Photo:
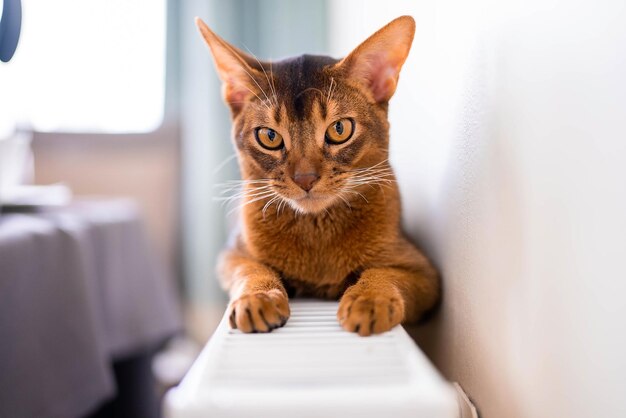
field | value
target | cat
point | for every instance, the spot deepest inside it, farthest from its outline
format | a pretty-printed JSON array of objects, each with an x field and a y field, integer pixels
[{"x": 321, "y": 208}]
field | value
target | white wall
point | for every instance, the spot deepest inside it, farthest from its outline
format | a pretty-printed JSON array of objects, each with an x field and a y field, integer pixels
[{"x": 508, "y": 136}]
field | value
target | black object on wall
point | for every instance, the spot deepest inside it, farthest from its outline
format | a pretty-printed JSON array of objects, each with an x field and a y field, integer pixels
[{"x": 10, "y": 25}]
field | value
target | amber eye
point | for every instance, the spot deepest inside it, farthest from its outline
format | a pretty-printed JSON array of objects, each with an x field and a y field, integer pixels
[
  {"x": 339, "y": 131},
  {"x": 269, "y": 138}
]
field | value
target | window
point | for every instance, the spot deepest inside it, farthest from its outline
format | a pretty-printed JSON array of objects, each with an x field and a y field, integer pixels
[{"x": 87, "y": 65}]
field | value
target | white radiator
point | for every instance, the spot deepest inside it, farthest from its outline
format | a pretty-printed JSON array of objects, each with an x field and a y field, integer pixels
[{"x": 311, "y": 368}]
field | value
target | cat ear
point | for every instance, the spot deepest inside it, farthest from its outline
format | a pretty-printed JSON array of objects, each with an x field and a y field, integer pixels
[
  {"x": 376, "y": 63},
  {"x": 233, "y": 66}
]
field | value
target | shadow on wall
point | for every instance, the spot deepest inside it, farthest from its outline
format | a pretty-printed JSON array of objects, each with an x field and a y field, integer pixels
[
  {"x": 526, "y": 218},
  {"x": 475, "y": 236}
]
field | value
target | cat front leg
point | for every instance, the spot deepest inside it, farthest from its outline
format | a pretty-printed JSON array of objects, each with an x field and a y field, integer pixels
[
  {"x": 259, "y": 301},
  {"x": 384, "y": 297}
]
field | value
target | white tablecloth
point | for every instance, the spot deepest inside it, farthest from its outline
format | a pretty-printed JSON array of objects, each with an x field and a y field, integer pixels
[{"x": 79, "y": 287}]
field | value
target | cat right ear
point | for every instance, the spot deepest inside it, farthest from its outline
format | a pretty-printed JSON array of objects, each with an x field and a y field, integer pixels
[
  {"x": 232, "y": 66},
  {"x": 376, "y": 63}
]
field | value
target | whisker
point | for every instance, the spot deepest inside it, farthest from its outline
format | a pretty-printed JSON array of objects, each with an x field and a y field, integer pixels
[
  {"x": 310, "y": 88},
  {"x": 376, "y": 173},
  {"x": 256, "y": 95},
  {"x": 259, "y": 86},
  {"x": 248, "y": 102},
  {"x": 330, "y": 89},
  {"x": 283, "y": 203},
  {"x": 374, "y": 166},
  {"x": 269, "y": 203},
  {"x": 243, "y": 182},
  {"x": 252, "y": 197},
  {"x": 371, "y": 170},
  {"x": 241, "y": 187},
  {"x": 238, "y": 190},
  {"x": 369, "y": 183},
  {"x": 253, "y": 79},
  {"x": 224, "y": 162},
  {"x": 370, "y": 180},
  {"x": 235, "y": 190},
  {"x": 247, "y": 194},
  {"x": 240, "y": 193},
  {"x": 381, "y": 174},
  {"x": 266, "y": 76},
  {"x": 248, "y": 202},
  {"x": 359, "y": 194},
  {"x": 344, "y": 201},
  {"x": 273, "y": 84}
]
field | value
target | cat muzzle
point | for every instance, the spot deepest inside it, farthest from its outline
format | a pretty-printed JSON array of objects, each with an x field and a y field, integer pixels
[{"x": 305, "y": 181}]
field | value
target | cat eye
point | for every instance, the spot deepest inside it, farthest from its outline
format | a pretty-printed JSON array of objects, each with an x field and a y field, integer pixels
[
  {"x": 339, "y": 131},
  {"x": 268, "y": 138}
]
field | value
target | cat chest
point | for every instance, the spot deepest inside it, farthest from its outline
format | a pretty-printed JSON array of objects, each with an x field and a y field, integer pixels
[{"x": 310, "y": 258}]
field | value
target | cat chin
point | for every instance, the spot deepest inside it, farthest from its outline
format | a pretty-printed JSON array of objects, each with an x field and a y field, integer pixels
[{"x": 311, "y": 204}]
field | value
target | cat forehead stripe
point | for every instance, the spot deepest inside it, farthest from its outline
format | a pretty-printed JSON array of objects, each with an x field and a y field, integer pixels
[{"x": 302, "y": 82}]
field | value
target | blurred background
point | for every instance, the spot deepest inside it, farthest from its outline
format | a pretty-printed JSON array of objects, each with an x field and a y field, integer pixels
[{"x": 508, "y": 138}]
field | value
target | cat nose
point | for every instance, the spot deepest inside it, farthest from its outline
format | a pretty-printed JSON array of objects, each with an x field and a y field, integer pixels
[{"x": 305, "y": 180}]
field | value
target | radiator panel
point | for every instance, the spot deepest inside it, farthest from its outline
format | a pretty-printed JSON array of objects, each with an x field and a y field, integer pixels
[{"x": 311, "y": 368}]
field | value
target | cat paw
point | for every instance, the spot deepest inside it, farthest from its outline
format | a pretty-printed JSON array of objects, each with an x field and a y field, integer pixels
[
  {"x": 260, "y": 311},
  {"x": 367, "y": 312}
]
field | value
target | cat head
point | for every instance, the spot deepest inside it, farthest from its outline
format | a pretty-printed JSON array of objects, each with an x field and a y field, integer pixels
[{"x": 312, "y": 130}]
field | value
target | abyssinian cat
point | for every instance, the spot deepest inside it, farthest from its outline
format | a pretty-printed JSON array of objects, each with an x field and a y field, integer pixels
[{"x": 321, "y": 208}]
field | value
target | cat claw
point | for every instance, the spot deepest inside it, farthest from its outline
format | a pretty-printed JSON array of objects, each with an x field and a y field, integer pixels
[{"x": 259, "y": 312}]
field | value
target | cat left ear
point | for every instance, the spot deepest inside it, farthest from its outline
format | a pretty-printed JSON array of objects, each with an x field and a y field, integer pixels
[
  {"x": 376, "y": 63},
  {"x": 233, "y": 66}
]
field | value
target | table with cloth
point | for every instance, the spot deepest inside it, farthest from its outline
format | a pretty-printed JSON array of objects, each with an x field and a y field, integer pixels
[{"x": 79, "y": 288}]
